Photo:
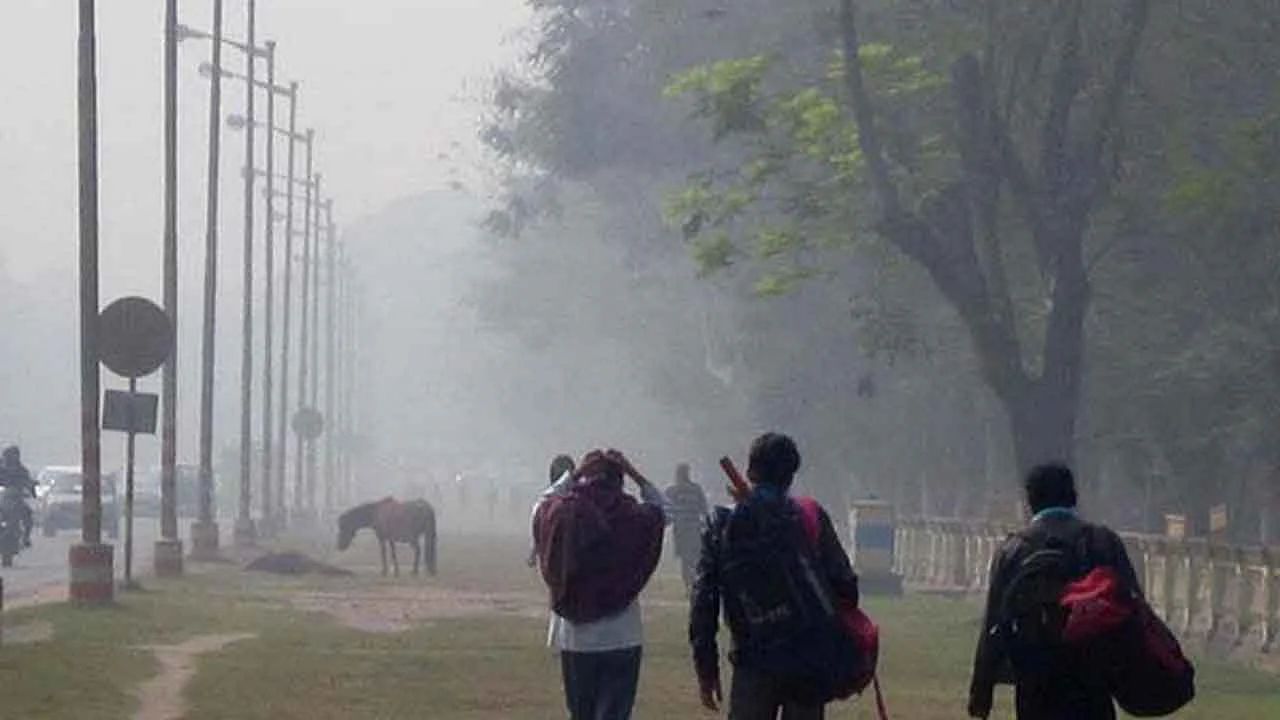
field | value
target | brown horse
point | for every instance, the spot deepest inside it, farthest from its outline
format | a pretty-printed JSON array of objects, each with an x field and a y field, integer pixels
[{"x": 393, "y": 521}]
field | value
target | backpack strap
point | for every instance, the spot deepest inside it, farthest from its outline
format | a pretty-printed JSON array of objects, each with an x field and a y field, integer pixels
[{"x": 810, "y": 518}]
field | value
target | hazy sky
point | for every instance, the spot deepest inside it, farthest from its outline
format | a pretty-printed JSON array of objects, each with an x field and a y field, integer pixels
[{"x": 388, "y": 84}]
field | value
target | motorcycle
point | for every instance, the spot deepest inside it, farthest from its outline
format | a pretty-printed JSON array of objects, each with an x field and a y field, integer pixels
[{"x": 10, "y": 532}]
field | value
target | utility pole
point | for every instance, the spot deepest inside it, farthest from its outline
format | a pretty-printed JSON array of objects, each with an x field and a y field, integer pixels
[
  {"x": 303, "y": 347},
  {"x": 245, "y": 534},
  {"x": 287, "y": 300},
  {"x": 339, "y": 438},
  {"x": 168, "y": 550},
  {"x": 92, "y": 576},
  {"x": 331, "y": 296},
  {"x": 268, "y": 300},
  {"x": 204, "y": 533},
  {"x": 313, "y": 400}
]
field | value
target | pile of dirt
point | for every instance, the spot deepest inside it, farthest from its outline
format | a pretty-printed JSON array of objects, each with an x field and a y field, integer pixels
[{"x": 294, "y": 563}]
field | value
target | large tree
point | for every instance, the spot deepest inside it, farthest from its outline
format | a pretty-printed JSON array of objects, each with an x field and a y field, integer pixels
[{"x": 1001, "y": 160}]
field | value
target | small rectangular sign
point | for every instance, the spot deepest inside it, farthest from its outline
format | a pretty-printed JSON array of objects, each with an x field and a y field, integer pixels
[
  {"x": 1218, "y": 518},
  {"x": 125, "y": 412}
]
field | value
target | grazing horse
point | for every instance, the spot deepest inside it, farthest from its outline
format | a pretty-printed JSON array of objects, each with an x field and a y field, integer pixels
[{"x": 393, "y": 521}]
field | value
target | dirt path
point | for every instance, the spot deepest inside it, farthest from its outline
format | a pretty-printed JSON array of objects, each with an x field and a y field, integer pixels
[
  {"x": 396, "y": 609},
  {"x": 160, "y": 698}
]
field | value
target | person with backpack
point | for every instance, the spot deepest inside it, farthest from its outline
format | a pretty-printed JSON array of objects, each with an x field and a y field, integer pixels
[
  {"x": 597, "y": 547},
  {"x": 688, "y": 505},
  {"x": 1021, "y": 639},
  {"x": 777, "y": 568}
]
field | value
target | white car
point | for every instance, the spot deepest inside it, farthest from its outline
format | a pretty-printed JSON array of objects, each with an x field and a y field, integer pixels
[{"x": 59, "y": 505}]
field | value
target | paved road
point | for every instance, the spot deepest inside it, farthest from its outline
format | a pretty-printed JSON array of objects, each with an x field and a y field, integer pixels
[{"x": 40, "y": 572}]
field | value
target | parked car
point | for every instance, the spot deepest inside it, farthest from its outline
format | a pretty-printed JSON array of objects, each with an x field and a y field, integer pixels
[{"x": 59, "y": 504}]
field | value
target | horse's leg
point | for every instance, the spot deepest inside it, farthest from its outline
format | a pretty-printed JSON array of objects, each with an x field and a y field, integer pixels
[
  {"x": 417, "y": 554},
  {"x": 431, "y": 546},
  {"x": 394, "y": 562},
  {"x": 382, "y": 548}
]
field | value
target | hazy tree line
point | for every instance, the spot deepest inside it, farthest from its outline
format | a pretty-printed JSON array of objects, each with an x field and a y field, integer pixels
[{"x": 940, "y": 240}]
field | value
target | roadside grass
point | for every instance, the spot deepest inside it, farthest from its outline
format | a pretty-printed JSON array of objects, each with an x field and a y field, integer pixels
[{"x": 305, "y": 665}]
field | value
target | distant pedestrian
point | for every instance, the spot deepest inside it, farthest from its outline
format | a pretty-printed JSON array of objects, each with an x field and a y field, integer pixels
[
  {"x": 777, "y": 590},
  {"x": 597, "y": 548},
  {"x": 688, "y": 504},
  {"x": 1061, "y": 684}
]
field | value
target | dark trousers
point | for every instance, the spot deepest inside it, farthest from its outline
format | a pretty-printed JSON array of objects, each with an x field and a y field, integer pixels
[
  {"x": 759, "y": 696},
  {"x": 600, "y": 685},
  {"x": 1051, "y": 701}
]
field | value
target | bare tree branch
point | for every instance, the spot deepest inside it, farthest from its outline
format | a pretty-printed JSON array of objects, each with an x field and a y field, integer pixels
[
  {"x": 1137, "y": 15},
  {"x": 868, "y": 137},
  {"x": 1055, "y": 157}
]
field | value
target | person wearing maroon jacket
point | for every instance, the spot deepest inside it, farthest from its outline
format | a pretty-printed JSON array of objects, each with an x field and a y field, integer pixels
[{"x": 597, "y": 547}]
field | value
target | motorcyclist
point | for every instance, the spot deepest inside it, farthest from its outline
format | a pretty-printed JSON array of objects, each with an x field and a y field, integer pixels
[{"x": 18, "y": 486}]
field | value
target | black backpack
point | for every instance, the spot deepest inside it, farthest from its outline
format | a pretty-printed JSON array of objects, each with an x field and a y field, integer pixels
[
  {"x": 1031, "y": 612},
  {"x": 792, "y": 629}
]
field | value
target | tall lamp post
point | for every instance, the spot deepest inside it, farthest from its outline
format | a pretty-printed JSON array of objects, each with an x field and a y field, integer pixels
[
  {"x": 168, "y": 549},
  {"x": 303, "y": 347},
  {"x": 331, "y": 256},
  {"x": 92, "y": 576},
  {"x": 204, "y": 533},
  {"x": 245, "y": 532}
]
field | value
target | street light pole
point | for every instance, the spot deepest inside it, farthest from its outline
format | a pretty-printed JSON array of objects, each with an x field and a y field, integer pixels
[
  {"x": 313, "y": 393},
  {"x": 204, "y": 533},
  {"x": 287, "y": 300},
  {"x": 340, "y": 372},
  {"x": 168, "y": 551},
  {"x": 92, "y": 577},
  {"x": 330, "y": 305},
  {"x": 299, "y": 469},
  {"x": 268, "y": 300},
  {"x": 245, "y": 534}
]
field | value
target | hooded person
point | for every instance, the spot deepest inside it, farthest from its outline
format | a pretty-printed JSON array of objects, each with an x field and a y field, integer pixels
[
  {"x": 17, "y": 486},
  {"x": 597, "y": 547}
]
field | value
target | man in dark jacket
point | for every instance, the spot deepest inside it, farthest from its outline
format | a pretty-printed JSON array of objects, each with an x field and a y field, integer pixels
[
  {"x": 688, "y": 506},
  {"x": 757, "y": 693},
  {"x": 1075, "y": 691},
  {"x": 17, "y": 486}
]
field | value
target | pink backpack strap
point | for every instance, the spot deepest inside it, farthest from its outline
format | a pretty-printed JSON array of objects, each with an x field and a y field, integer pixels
[{"x": 810, "y": 517}]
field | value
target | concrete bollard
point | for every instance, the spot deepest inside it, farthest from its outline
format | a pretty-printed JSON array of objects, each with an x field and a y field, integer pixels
[
  {"x": 168, "y": 558},
  {"x": 874, "y": 531},
  {"x": 204, "y": 541},
  {"x": 92, "y": 574}
]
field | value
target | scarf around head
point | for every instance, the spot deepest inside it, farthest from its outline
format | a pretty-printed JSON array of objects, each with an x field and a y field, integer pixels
[{"x": 597, "y": 548}]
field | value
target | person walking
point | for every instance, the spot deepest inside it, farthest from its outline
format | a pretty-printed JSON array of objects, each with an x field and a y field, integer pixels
[
  {"x": 775, "y": 630},
  {"x": 561, "y": 465},
  {"x": 597, "y": 547},
  {"x": 1062, "y": 684},
  {"x": 688, "y": 504}
]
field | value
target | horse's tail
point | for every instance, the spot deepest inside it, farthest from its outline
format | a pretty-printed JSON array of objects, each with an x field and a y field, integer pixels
[{"x": 430, "y": 534}]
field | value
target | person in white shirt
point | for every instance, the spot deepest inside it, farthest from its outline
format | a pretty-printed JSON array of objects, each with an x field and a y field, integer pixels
[{"x": 595, "y": 621}]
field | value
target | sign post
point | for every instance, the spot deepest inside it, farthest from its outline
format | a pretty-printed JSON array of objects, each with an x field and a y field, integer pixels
[{"x": 136, "y": 339}]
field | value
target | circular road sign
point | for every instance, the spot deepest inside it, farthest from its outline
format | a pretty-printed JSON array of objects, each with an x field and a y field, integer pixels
[
  {"x": 135, "y": 337},
  {"x": 308, "y": 423}
]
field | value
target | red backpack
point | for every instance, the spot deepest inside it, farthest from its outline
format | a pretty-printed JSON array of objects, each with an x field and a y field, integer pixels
[
  {"x": 1147, "y": 673},
  {"x": 865, "y": 633}
]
